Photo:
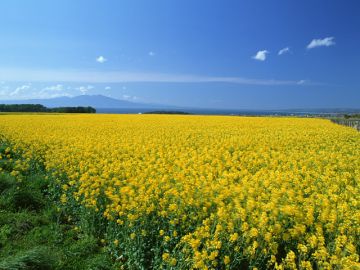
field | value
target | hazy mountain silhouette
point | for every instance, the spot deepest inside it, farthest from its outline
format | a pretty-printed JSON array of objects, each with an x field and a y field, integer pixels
[
  {"x": 96, "y": 101},
  {"x": 106, "y": 104}
]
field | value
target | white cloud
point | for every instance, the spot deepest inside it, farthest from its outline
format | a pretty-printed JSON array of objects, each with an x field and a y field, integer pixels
[
  {"x": 301, "y": 82},
  {"x": 51, "y": 92},
  {"x": 129, "y": 97},
  {"x": 19, "y": 90},
  {"x": 27, "y": 91},
  {"x": 260, "y": 55},
  {"x": 284, "y": 50},
  {"x": 101, "y": 59},
  {"x": 78, "y": 76},
  {"x": 51, "y": 95},
  {"x": 55, "y": 88},
  {"x": 151, "y": 53},
  {"x": 328, "y": 41},
  {"x": 84, "y": 89},
  {"x": 107, "y": 88}
]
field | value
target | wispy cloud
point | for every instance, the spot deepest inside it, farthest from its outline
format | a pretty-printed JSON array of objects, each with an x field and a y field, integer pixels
[
  {"x": 129, "y": 97},
  {"x": 284, "y": 50},
  {"x": 261, "y": 55},
  {"x": 52, "y": 91},
  {"x": 56, "y": 88},
  {"x": 84, "y": 89},
  {"x": 19, "y": 90},
  {"x": 76, "y": 76},
  {"x": 28, "y": 91},
  {"x": 302, "y": 82},
  {"x": 101, "y": 59},
  {"x": 107, "y": 88},
  {"x": 325, "y": 42},
  {"x": 151, "y": 53}
]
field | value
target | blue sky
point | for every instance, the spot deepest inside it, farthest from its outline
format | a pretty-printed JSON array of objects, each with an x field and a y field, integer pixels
[{"x": 222, "y": 54}]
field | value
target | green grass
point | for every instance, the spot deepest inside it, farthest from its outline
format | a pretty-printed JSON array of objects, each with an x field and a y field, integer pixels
[{"x": 34, "y": 234}]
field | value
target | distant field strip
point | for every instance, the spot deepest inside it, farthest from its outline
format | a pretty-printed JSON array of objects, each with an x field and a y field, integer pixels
[
  {"x": 354, "y": 123},
  {"x": 204, "y": 192}
]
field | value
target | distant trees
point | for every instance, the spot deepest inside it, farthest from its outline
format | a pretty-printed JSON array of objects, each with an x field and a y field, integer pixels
[
  {"x": 22, "y": 108},
  {"x": 349, "y": 116},
  {"x": 166, "y": 112},
  {"x": 74, "y": 110},
  {"x": 42, "y": 108}
]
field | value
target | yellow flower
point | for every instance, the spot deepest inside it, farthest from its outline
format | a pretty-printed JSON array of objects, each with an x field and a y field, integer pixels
[
  {"x": 302, "y": 248},
  {"x": 254, "y": 232},
  {"x": 213, "y": 255},
  {"x": 173, "y": 261},
  {"x": 234, "y": 237},
  {"x": 226, "y": 260},
  {"x": 167, "y": 238},
  {"x": 165, "y": 256}
]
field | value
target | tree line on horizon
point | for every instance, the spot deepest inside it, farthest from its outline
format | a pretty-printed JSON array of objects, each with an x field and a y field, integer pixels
[{"x": 42, "y": 108}]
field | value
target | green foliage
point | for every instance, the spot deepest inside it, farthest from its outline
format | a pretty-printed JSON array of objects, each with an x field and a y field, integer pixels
[
  {"x": 35, "y": 233},
  {"x": 38, "y": 258},
  {"x": 99, "y": 262},
  {"x": 352, "y": 116},
  {"x": 166, "y": 112},
  {"x": 41, "y": 108},
  {"x": 22, "y": 108},
  {"x": 73, "y": 110},
  {"x": 5, "y": 232},
  {"x": 26, "y": 199},
  {"x": 38, "y": 182},
  {"x": 6, "y": 182}
]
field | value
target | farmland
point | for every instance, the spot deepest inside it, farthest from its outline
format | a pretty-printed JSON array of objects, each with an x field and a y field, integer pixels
[{"x": 203, "y": 192}]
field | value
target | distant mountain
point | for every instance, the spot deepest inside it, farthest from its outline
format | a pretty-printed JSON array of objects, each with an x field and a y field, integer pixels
[
  {"x": 105, "y": 104},
  {"x": 96, "y": 101}
]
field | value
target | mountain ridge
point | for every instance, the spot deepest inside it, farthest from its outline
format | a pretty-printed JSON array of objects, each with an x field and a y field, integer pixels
[
  {"x": 107, "y": 104},
  {"x": 96, "y": 101}
]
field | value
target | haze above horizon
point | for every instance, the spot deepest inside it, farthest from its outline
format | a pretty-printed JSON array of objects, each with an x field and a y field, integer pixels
[{"x": 233, "y": 54}]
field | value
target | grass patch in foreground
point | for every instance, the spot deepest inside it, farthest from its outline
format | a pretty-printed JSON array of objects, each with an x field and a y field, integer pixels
[{"x": 34, "y": 234}]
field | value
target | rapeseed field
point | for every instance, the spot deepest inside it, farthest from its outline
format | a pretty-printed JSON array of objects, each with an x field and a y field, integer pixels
[{"x": 202, "y": 192}]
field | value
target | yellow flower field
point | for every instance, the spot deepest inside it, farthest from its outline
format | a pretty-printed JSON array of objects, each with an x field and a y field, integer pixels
[{"x": 204, "y": 192}]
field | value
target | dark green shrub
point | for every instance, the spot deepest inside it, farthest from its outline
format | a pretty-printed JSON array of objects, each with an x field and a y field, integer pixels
[
  {"x": 37, "y": 182},
  {"x": 27, "y": 199},
  {"x": 38, "y": 258},
  {"x": 6, "y": 181},
  {"x": 99, "y": 262}
]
